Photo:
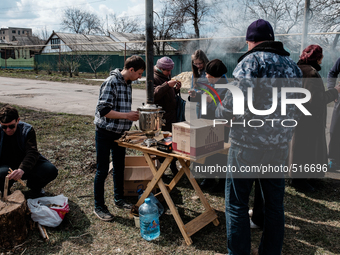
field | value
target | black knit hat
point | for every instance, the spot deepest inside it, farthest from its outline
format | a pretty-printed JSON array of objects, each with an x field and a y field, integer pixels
[
  {"x": 260, "y": 30},
  {"x": 216, "y": 68}
]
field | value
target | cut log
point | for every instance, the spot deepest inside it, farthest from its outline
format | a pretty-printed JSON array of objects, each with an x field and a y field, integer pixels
[{"x": 13, "y": 220}]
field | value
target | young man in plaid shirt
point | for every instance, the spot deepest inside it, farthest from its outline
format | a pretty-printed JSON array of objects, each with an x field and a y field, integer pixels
[{"x": 114, "y": 116}]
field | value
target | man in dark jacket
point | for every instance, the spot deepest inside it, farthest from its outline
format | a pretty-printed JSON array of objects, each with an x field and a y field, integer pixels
[
  {"x": 18, "y": 151},
  {"x": 264, "y": 67}
]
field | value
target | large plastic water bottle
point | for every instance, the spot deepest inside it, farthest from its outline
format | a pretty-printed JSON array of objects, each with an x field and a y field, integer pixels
[
  {"x": 149, "y": 220},
  {"x": 153, "y": 200}
]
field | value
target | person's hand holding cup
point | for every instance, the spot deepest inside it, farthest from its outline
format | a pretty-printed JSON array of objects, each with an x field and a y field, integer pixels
[{"x": 192, "y": 93}]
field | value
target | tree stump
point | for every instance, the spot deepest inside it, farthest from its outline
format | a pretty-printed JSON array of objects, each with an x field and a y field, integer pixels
[{"x": 13, "y": 220}]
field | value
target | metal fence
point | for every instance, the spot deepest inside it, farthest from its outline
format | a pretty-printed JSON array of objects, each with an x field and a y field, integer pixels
[{"x": 182, "y": 62}]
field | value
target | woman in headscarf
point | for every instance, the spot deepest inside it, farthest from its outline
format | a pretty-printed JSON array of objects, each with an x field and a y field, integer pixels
[
  {"x": 308, "y": 147},
  {"x": 164, "y": 95}
]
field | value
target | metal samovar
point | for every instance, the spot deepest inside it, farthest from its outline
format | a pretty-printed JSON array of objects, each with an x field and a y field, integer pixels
[{"x": 150, "y": 121}]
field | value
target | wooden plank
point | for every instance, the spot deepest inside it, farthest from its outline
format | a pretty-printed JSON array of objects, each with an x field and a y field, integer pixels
[
  {"x": 152, "y": 150},
  {"x": 176, "y": 179},
  {"x": 6, "y": 189},
  {"x": 199, "y": 222},
  {"x": 20, "y": 181}
]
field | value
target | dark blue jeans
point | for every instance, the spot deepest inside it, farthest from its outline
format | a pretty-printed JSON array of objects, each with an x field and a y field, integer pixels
[
  {"x": 105, "y": 143},
  {"x": 43, "y": 173},
  {"x": 237, "y": 193}
]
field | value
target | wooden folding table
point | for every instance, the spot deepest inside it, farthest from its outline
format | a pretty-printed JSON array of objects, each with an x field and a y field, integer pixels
[{"x": 200, "y": 221}]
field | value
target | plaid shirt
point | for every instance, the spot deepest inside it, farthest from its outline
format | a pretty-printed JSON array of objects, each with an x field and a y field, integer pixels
[{"x": 116, "y": 95}]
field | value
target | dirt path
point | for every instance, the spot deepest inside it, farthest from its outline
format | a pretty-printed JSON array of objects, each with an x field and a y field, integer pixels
[{"x": 57, "y": 96}]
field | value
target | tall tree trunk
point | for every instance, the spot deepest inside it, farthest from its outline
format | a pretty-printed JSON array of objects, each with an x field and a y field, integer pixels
[{"x": 197, "y": 31}]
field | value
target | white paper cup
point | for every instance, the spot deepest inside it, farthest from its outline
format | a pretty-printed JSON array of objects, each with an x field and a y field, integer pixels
[{"x": 137, "y": 224}]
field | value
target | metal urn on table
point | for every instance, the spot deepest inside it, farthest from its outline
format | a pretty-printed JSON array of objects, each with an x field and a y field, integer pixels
[{"x": 150, "y": 121}]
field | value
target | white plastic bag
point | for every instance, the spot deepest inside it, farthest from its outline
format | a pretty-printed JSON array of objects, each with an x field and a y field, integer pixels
[{"x": 48, "y": 211}]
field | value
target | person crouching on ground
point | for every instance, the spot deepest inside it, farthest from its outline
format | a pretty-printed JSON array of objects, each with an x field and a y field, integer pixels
[{"x": 18, "y": 151}]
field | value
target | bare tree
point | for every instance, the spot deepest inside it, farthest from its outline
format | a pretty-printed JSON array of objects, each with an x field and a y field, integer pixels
[
  {"x": 80, "y": 21},
  {"x": 326, "y": 18},
  {"x": 166, "y": 26},
  {"x": 124, "y": 24},
  {"x": 69, "y": 63},
  {"x": 43, "y": 34},
  {"x": 95, "y": 62},
  {"x": 284, "y": 15},
  {"x": 194, "y": 11}
]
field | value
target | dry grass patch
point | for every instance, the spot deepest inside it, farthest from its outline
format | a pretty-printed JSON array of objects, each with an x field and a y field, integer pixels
[{"x": 312, "y": 221}]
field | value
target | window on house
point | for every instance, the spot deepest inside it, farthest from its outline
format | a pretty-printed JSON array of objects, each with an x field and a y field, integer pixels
[
  {"x": 55, "y": 43},
  {"x": 13, "y": 31},
  {"x": 18, "y": 32}
]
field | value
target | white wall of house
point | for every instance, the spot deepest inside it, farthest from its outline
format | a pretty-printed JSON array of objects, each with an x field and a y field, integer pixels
[{"x": 49, "y": 48}]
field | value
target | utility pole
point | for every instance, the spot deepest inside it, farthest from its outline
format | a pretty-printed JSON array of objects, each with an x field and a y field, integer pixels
[{"x": 305, "y": 25}]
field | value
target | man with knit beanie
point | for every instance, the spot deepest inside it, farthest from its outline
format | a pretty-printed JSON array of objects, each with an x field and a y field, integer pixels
[
  {"x": 265, "y": 66},
  {"x": 164, "y": 95}
]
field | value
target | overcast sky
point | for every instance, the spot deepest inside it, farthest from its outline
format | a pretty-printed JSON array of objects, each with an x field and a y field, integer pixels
[{"x": 38, "y": 14}]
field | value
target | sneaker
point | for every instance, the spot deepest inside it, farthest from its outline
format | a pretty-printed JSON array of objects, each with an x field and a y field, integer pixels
[
  {"x": 33, "y": 193},
  {"x": 332, "y": 166},
  {"x": 253, "y": 225},
  {"x": 103, "y": 213},
  {"x": 124, "y": 205}
]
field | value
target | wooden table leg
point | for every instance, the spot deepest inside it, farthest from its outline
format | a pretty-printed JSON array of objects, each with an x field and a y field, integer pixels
[
  {"x": 167, "y": 197},
  {"x": 156, "y": 178},
  {"x": 185, "y": 167}
]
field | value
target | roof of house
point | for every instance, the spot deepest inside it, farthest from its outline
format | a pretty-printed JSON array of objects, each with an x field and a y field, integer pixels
[
  {"x": 80, "y": 42},
  {"x": 129, "y": 37},
  {"x": 20, "y": 40}
]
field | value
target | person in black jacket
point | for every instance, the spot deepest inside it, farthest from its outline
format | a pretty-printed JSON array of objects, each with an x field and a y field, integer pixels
[
  {"x": 215, "y": 74},
  {"x": 18, "y": 151},
  {"x": 164, "y": 94},
  {"x": 308, "y": 146}
]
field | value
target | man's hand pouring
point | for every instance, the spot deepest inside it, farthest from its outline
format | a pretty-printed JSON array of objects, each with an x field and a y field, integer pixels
[{"x": 133, "y": 115}]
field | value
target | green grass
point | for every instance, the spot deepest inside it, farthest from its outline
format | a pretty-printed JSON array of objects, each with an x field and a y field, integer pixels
[{"x": 312, "y": 221}]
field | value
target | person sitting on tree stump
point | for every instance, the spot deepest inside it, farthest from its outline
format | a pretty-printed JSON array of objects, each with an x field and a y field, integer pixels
[{"x": 18, "y": 151}]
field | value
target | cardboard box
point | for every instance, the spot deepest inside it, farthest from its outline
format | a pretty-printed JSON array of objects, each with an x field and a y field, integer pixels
[
  {"x": 197, "y": 138},
  {"x": 131, "y": 187},
  {"x": 137, "y": 174}
]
